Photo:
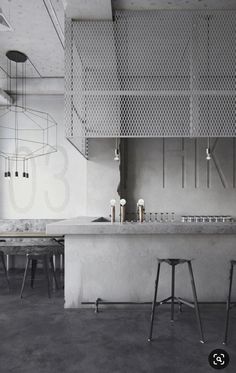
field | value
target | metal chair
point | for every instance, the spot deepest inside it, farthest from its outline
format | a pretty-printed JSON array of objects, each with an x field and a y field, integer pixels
[
  {"x": 171, "y": 299},
  {"x": 46, "y": 257},
  {"x": 229, "y": 304},
  {"x": 4, "y": 268},
  {"x": 4, "y": 265}
]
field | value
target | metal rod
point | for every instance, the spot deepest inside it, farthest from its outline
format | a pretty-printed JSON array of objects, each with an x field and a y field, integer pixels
[
  {"x": 154, "y": 302},
  {"x": 196, "y": 301},
  {"x": 172, "y": 291},
  {"x": 228, "y": 303},
  {"x": 189, "y": 304}
]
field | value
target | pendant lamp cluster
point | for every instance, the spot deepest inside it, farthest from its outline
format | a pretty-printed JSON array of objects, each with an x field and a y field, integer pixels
[{"x": 25, "y": 133}]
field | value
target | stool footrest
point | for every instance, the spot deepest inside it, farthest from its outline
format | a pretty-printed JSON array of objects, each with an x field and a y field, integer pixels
[
  {"x": 187, "y": 303},
  {"x": 165, "y": 300}
]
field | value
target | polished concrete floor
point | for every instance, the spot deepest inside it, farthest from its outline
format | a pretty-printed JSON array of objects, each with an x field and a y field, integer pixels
[{"x": 39, "y": 336}]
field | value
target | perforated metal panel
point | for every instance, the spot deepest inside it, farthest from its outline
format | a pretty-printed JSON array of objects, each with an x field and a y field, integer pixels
[{"x": 151, "y": 74}]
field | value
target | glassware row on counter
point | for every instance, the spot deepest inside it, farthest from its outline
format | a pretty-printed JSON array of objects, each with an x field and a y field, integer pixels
[
  {"x": 207, "y": 219},
  {"x": 151, "y": 217}
]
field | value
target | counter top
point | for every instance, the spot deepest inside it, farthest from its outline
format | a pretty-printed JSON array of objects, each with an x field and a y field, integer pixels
[
  {"x": 85, "y": 226},
  {"x": 43, "y": 235}
]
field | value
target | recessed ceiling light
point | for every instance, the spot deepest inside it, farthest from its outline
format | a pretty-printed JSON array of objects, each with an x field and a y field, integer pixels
[{"x": 4, "y": 24}]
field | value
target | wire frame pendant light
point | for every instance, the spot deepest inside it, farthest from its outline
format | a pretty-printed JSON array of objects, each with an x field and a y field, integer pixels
[{"x": 25, "y": 133}]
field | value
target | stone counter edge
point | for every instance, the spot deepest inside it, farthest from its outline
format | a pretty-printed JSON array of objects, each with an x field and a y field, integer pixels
[{"x": 84, "y": 226}]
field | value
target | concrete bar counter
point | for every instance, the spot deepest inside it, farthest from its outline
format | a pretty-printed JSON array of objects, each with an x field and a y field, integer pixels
[{"x": 117, "y": 262}]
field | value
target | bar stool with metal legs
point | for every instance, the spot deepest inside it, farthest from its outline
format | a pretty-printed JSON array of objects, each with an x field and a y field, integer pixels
[
  {"x": 46, "y": 259},
  {"x": 229, "y": 304},
  {"x": 172, "y": 299}
]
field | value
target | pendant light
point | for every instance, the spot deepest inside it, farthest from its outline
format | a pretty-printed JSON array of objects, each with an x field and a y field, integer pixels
[
  {"x": 25, "y": 133},
  {"x": 117, "y": 151},
  {"x": 208, "y": 150}
]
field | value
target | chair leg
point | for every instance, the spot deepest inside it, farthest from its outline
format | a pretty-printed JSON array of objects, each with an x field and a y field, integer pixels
[
  {"x": 172, "y": 292},
  {"x": 62, "y": 261},
  {"x": 24, "y": 278},
  {"x": 154, "y": 302},
  {"x": 46, "y": 270},
  {"x": 33, "y": 271},
  {"x": 196, "y": 302},
  {"x": 228, "y": 304},
  {"x": 54, "y": 272},
  {"x": 5, "y": 269}
]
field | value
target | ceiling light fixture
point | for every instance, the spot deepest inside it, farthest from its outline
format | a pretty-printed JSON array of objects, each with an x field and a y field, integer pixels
[
  {"x": 208, "y": 150},
  {"x": 117, "y": 151},
  {"x": 25, "y": 133}
]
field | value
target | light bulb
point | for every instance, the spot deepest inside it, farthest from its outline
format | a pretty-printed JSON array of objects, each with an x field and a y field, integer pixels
[
  {"x": 122, "y": 202},
  {"x": 117, "y": 155},
  {"x": 208, "y": 154},
  {"x": 140, "y": 202}
]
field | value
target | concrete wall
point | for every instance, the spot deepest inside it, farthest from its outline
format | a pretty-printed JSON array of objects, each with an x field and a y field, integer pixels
[
  {"x": 175, "y": 176},
  {"x": 57, "y": 185},
  {"x": 102, "y": 177}
]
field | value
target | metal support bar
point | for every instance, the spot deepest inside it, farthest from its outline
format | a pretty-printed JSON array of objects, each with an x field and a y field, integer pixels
[
  {"x": 172, "y": 291},
  {"x": 228, "y": 303},
  {"x": 189, "y": 304},
  {"x": 154, "y": 301},
  {"x": 196, "y": 301}
]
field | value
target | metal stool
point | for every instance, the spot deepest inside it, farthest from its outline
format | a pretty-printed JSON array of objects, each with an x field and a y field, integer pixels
[
  {"x": 173, "y": 298},
  {"x": 4, "y": 267},
  {"x": 46, "y": 258},
  {"x": 228, "y": 302}
]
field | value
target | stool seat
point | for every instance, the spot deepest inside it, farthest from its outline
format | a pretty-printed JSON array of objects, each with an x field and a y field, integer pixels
[
  {"x": 173, "y": 261},
  {"x": 172, "y": 298}
]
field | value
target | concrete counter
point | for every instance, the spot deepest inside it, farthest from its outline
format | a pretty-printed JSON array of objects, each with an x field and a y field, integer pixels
[
  {"x": 117, "y": 262},
  {"x": 84, "y": 225}
]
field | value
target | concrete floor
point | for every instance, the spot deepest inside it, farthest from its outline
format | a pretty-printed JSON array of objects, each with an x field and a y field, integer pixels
[{"x": 39, "y": 336}]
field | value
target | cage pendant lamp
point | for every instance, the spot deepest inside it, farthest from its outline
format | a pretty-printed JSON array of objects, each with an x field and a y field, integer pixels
[{"x": 25, "y": 133}]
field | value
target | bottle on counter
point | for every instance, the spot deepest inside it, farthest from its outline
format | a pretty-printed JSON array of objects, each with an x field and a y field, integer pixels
[
  {"x": 140, "y": 205},
  {"x": 113, "y": 210},
  {"x": 122, "y": 210}
]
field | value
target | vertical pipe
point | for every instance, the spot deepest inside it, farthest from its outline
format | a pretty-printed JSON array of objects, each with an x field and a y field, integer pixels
[
  {"x": 183, "y": 163},
  {"x": 195, "y": 162},
  {"x": 163, "y": 162},
  {"x": 234, "y": 171}
]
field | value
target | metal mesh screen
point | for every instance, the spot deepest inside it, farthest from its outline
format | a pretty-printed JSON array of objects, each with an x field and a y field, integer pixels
[{"x": 151, "y": 74}]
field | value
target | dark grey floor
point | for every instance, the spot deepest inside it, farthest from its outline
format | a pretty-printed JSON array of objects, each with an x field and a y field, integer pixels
[{"x": 39, "y": 336}]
